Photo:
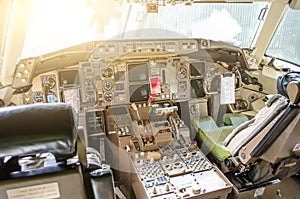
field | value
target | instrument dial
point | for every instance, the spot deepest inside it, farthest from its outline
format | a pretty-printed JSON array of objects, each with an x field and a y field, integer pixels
[
  {"x": 182, "y": 86},
  {"x": 108, "y": 85},
  {"x": 194, "y": 109},
  {"x": 107, "y": 72},
  {"x": 38, "y": 96},
  {"x": 182, "y": 73},
  {"x": 51, "y": 82},
  {"x": 48, "y": 82},
  {"x": 108, "y": 97}
]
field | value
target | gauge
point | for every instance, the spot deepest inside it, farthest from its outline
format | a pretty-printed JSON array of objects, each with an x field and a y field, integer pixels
[
  {"x": 182, "y": 72},
  {"x": 48, "y": 81},
  {"x": 107, "y": 72},
  {"x": 194, "y": 109},
  {"x": 108, "y": 85},
  {"x": 51, "y": 82},
  {"x": 182, "y": 86},
  {"x": 108, "y": 97},
  {"x": 38, "y": 96}
]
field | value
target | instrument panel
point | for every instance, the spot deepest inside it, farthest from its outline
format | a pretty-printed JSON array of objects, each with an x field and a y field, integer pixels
[
  {"x": 124, "y": 82},
  {"x": 122, "y": 72}
]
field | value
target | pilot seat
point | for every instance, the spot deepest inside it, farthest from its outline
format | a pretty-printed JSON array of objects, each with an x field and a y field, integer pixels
[
  {"x": 264, "y": 148},
  {"x": 43, "y": 156}
]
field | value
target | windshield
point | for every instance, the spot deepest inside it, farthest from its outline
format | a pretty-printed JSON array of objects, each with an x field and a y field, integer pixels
[
  {"x": 232, "y": 23},
  {"x": 57, "y": 24},
  {"x": 285, "y": 43}
]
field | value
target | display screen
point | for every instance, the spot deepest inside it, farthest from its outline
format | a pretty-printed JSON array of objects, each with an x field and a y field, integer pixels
[
  {"x": 139, "y": 92},
  {"x": 197, "y": 90},
  {"x": 120, "y": 110},
  {"x": 138, "y": 72},
  {"x": 68, "y": 77},
  {"x": 197, "y": 69}
]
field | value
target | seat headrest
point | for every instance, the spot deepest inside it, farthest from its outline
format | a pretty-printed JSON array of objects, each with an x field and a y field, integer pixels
[
  {"x": 284, "y": 80},
  {"x": 293, "y": 91},
  {"x": 38, "y": 128}
]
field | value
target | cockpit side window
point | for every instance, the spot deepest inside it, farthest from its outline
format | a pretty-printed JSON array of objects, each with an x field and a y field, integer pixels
[{"x": 285, "y": 43}]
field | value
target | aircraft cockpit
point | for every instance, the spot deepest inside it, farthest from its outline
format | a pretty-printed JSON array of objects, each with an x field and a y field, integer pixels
[{"x": 150, "y": 99}]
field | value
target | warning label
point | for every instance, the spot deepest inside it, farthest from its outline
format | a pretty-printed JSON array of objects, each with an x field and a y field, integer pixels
[
  {"x": 297, "y": 147},
  {"x": 44, "y": 191}
]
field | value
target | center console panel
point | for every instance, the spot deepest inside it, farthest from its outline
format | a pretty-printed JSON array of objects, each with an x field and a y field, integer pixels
[{"x": 177, "y": 171}]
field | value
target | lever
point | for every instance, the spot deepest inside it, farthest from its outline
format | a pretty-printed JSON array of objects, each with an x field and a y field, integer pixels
[
  {"x": 140, "y": 121},
  {"x": 247, "y": 79}
]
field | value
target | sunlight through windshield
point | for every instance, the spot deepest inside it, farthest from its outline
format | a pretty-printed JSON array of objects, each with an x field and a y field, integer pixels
[{"x": 57, "y": 24}]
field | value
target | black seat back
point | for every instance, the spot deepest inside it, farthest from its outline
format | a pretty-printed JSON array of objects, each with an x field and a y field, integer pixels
[{"x": 38, "y": 128}]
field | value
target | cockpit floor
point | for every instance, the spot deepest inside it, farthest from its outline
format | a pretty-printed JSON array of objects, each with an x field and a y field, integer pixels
[{"x": 290, "y": 188}]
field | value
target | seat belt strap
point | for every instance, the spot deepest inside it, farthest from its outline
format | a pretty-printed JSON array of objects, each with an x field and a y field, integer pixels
[{"x": 81, "y": 152}]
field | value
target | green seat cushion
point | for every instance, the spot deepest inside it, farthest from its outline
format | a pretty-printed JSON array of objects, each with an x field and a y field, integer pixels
[
  {"x": 234, "y": 119},
  {"x": 213, "y": 136}
]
